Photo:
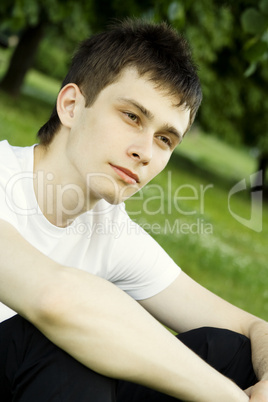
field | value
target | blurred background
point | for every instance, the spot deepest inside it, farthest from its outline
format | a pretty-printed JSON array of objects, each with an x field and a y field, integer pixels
[{"x": 218, "y": 235}]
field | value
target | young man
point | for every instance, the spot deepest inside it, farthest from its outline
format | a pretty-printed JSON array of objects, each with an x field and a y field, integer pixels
[{"x": 129, "y": 97}]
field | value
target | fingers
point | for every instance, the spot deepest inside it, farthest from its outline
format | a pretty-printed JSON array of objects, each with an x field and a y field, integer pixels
[{"x": 259, "y": 392}]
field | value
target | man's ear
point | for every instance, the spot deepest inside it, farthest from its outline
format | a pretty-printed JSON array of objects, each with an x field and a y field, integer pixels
[{"x": 69, "y": 100}]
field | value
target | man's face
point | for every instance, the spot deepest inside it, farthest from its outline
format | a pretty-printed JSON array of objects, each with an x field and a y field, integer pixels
[{"x": 125, "y": 138}]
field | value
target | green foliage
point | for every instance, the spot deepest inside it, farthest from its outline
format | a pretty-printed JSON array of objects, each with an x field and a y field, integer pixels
[
  {"x": 106, "y": 11},
  {"x": 255, "y": 22},
  {"x": 63, "y": 15},
  {"x": 56, "y": 49},
  {"x": 66, "y": 23},
  {"x": 53, "y": 57}
]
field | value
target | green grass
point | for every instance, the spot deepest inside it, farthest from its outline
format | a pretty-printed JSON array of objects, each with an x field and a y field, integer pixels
[
  {"x": 21, "y": 118},
  {"x": 212, "y": 153},
  {"x": 198, "y": 231}
]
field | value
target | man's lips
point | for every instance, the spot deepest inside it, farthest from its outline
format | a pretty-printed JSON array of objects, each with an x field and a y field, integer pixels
[{"x": 125, "y": 174}]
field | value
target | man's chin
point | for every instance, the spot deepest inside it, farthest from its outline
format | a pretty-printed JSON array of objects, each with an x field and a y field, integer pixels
[{"x": 118, "y": 200}]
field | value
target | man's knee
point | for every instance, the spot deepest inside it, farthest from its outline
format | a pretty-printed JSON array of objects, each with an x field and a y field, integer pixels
[{"x": 227, "y": 351}]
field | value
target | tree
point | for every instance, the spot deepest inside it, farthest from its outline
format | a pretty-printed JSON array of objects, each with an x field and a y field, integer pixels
[
  {"x": 31, "y": 19},
  {"x": 69, "y": 19},
  {"x": 22, "y": 58}
]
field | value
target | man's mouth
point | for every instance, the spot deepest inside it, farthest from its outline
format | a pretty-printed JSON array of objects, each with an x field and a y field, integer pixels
[{"x": 125, "y": 174}]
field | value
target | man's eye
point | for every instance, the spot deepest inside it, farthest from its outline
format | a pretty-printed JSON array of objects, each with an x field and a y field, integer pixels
[
  {"x": 132, "y": 116},
  {"x": 165, "y": 140}
]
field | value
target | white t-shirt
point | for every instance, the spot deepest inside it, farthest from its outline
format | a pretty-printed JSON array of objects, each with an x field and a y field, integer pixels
[{"x": 103, "y": 241}]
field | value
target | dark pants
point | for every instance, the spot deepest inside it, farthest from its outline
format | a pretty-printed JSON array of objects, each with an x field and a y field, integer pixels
[{"x": 32, "y": 369}]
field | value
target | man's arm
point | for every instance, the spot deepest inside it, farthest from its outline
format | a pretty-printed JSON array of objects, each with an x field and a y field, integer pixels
[
  {"x": 101, "y": 326},
  {"x": 185, "y": 305},
  {"x": 258, "y": 334}
]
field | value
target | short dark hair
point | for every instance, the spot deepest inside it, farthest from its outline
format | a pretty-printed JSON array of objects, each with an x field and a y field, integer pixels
[{"x": 155, "y": 49}]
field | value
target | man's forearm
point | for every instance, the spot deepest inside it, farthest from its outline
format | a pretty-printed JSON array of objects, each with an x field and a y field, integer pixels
[
  {"x": 109, "y": 332},
  {"x": 102, "y": 327},
  {"x": 258, "y": 334}
]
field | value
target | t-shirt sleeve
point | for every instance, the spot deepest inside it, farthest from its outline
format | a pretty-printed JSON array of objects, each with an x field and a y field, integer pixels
[{"x": 140, "y": 265}]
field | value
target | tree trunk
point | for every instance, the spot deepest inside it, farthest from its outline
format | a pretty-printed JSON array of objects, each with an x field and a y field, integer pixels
[{"x": 22, "y": 59}]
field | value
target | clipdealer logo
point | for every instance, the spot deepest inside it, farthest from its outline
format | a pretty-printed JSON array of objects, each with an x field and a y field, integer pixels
[{"x": 256, "y": 201}]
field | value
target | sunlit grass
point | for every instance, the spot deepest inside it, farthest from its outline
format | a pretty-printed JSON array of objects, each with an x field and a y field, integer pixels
[{"x": 209, "y": 151}]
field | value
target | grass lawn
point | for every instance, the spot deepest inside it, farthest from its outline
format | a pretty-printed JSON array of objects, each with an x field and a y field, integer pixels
[{"x": 186, "y": 207}]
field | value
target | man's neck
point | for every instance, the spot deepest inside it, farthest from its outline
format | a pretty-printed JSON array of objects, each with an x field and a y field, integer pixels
[{"x": 60, "y": 196}]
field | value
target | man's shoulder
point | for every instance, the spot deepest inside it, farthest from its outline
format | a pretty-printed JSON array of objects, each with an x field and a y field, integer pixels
[
  {"x": 7, "y": 158},
  {"x": 7, "y": 154},
  {"x": 4, "y": 147},
  {"x": 14, "y": 158}
]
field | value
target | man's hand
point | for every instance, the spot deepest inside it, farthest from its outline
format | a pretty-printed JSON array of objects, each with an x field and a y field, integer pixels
[{"x": 259, "y": 392}]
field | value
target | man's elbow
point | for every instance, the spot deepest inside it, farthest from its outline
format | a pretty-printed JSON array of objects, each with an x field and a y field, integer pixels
[{"x": 52, "y": 301}]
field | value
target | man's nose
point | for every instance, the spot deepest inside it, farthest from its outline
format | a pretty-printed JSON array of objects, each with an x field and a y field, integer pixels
[{"x": 142, "y": 150}]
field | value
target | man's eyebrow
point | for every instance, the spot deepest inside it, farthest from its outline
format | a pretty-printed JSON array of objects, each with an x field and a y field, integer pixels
[
  {"x": 150, "y": 116},
  {"x": 173, "y": 131},
  {"x": 136, "y": 104}
]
